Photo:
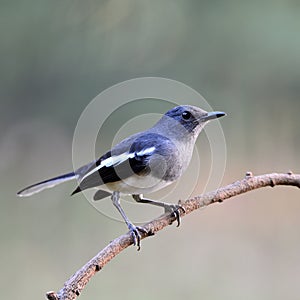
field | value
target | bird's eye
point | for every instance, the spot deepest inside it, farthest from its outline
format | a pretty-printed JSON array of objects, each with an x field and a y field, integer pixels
[{"x": 186, "y": 115}]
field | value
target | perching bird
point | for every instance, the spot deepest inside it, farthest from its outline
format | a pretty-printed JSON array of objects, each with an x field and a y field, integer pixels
[{"x": 142, "y": 163}]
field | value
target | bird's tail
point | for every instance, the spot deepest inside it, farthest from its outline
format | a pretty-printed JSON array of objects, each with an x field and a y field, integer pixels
[{"x": 46, "y": 184}]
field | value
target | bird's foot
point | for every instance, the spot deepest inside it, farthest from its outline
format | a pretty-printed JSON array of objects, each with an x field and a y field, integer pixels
[
  {"x": 175, "y": 209},
  {"x": 136, "y": 235}
]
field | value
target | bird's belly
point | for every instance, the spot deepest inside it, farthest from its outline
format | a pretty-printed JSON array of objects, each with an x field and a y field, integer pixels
[{"x": 138, "y": 185}]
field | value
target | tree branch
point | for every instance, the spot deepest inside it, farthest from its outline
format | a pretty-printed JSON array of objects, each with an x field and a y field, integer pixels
[{"x": 73, "y": 286}]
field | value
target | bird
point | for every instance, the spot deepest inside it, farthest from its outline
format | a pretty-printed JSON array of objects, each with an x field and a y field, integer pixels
[{"x": 141, "y": 164}]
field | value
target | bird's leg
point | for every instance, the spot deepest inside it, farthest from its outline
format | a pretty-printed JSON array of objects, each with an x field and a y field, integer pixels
[
  {"x": 134, "y": 230},
  {"x": 169, "y": 208}
]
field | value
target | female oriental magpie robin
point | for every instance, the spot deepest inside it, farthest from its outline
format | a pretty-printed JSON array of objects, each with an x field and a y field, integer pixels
[{"x": 142, "y": 163}]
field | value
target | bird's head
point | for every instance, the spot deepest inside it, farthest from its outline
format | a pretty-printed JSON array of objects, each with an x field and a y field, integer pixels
[{"x": 187, "y": 119}]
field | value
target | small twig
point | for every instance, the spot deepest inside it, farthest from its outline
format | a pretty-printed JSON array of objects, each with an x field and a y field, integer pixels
[{"x": 74, "y": 286}]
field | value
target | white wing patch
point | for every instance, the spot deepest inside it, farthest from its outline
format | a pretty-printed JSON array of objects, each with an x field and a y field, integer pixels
[
  {"x": 118, "y": 159},
  {"x": 115, "y": 160},
  {"x": 110, "y": 161},
  {"x": 146, "y": 151}
]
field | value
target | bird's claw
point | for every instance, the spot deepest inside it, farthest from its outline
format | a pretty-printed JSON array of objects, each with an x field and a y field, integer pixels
[
  {"x": 174, "y": 210},
  {"x": 136, "y": 236}
]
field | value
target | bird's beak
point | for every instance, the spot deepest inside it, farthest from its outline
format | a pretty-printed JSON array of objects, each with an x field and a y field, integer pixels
[{"x": 212, "y": 115}]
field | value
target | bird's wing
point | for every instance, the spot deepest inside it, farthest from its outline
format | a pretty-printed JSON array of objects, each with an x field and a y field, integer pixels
[{"x": 125, "y": 159}]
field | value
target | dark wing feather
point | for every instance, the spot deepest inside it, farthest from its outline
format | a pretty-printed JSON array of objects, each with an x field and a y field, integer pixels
[
  {"x": 113, "y": 174},
  {"x": 96, "y": 179}
]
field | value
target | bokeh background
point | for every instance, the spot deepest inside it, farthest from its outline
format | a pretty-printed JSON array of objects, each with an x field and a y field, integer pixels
[{"x": 242, "y": 56}]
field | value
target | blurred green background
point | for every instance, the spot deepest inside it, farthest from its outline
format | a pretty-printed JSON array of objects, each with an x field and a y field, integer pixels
[{"x": 242, "y": 56}]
